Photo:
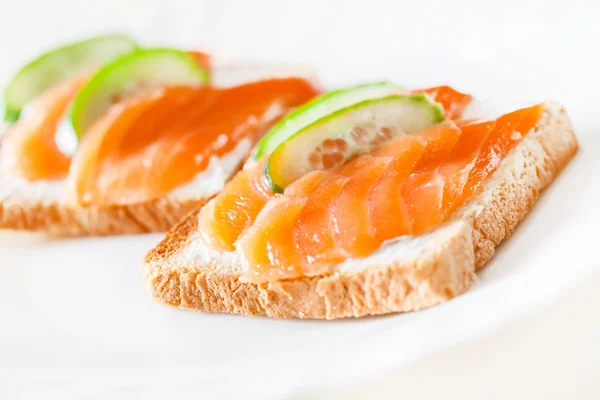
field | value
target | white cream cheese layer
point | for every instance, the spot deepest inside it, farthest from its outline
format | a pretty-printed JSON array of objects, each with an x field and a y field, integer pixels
[
  {"x": 397, "y": 250},
  {"x": 213, "y": 178}
]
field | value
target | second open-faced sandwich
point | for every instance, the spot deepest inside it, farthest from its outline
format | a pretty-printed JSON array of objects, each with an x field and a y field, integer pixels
[
  {"x": 107, "y": 137},
  {"x": 367, "y": 200}
]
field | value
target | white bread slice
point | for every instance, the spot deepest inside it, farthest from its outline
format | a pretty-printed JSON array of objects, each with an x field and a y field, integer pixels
[
  {"x": 404, "y": 275},
  {"x": 41, "y": 206}
]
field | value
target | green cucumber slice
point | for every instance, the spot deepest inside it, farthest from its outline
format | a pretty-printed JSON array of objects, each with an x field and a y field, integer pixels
[
  {"x": 129, "y": 75},
  {"x": 59, "y": 65},
  {"x": 332, "y": 140},
  {"x": 319, "y": 108}
]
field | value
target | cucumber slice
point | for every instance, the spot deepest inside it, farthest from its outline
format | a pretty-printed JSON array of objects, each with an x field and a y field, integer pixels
[
  {"x": 129, "y": 75},
  {"x": 59, "y": 65},
  {"x": 332, "y": 140},
  {"x": 319, "y": 108}
]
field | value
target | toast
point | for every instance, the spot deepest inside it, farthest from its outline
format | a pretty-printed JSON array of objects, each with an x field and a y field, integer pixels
[
  {"x": 41, "y": 205},
  {"x": 405, "y": 274}
]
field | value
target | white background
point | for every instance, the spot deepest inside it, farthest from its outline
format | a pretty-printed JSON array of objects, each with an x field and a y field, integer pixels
[{"x": 520, "y": 50}]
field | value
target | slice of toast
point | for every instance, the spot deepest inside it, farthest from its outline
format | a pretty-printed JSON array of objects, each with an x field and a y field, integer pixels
[
  {"x": 41, "y": 206},
  {"x": 406, "y": 274}
]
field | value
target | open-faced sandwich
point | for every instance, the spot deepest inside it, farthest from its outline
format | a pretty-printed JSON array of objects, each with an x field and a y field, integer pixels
[
  {"x": 368, "y": 200},
  {"x": 107, "y": 137}
]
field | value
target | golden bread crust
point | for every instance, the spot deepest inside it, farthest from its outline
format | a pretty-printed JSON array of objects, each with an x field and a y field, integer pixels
[{"x": 57, "y": 219}]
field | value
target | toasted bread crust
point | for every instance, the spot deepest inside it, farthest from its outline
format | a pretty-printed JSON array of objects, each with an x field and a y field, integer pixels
[
  {"x": 447, "y": 271},
  {"x": 57, "y": 219}
]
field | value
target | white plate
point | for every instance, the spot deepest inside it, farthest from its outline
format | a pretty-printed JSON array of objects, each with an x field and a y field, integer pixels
[{"x": 77, "y": 322}]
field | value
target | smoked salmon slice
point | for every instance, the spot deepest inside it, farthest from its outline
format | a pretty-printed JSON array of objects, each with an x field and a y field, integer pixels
[
  {"x": 201, "y": 58},
  {"x": 385, "y": 196},
  {"x": 352, "y": 229},
  {"x": 457, "y": 168},
  {"x": 453, "y": 101},
  {"x": 269, "y": 242},
  {"x": 313, "y": 227},
  {"x": 147, "y": 146},
  {"x": 507, "y": 133},
  {"x": 304, "y": 201},
  {"x": 233, "y": 210},
  {"x": 377, "y": 198},
  {"x": 423, "y": 190},
  {"x": 29, "y": 147}
]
